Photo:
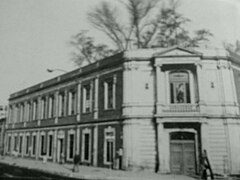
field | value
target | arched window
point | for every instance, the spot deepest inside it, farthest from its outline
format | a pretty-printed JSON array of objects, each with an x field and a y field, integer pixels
[{"x": 179, "y": 87}]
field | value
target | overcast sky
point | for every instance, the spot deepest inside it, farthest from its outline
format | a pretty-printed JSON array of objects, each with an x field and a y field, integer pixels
[{"x": 34, "y": 34}]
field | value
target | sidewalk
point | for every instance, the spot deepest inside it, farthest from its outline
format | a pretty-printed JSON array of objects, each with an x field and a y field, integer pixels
[{"x": 86, "y": 172}]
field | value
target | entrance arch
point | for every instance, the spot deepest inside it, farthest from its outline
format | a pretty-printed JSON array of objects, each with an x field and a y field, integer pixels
[{"x": 182, "y": 153}]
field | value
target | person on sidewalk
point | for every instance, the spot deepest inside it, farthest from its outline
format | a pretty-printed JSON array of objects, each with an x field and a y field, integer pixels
[
  {"x": 205, "y": 165},
  {"x": 76, "y": 161},
  {"x": 62, "y": 158}
]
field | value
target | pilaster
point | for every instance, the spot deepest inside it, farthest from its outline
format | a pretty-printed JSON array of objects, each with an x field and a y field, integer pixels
[
  {"x": 55, "y": 146},
  {"x": 56, "y": 104},
  {"x": 95, "y": 145},
  {"x": 96, "y": 82},
  {"x": 79, "y": 102}
]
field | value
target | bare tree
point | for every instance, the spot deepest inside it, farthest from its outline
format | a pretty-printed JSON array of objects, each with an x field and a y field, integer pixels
[
  {"x": 87, "y": 50},
  {"x": 235, "y": 48},
  {"x": 148, "y": 23}
]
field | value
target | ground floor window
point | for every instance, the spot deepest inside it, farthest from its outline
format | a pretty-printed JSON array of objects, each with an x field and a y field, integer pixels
[
  {"x": 109, "y": 145},
  {"x": 71, "y": 145},
  {"x": 33, "y": 144},
  {"x": 15, "y": 143},
  {"x": 9, "y": 143},
  {"x": 86, "y": 153},
  {"x": 43, "y": 145},
  {"x": 20, "y": 144},
  {"x": 27, "y": 144},
  {"x": 50, "y": 142}
]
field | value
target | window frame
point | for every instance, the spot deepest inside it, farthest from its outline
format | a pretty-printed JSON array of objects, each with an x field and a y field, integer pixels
[
  {"x": 72, "y": 102},
  {"x": 61, "y": 104},
  {"x": 87, "y": 101},
  {"x": 27, "y": 144},
  {"x": 70, "y": 132},
  {"x": 109, "y": 129},
  {"x": 183, "y": 87},
  {"x": 9, "y": 143},
  {"x": 84, "y": 132},
  {"x": 50, "y": 134},
  {"x": 33, "y": 145},
  {"x": 42, "y": 149},
  {"x": 107, "y": 82},
  {"x": 51, "y": 103}
]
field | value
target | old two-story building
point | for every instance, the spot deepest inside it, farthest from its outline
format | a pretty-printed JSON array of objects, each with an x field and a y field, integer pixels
[
  {"x": 3, "y": 112},
  {"x": 156, "y": 109}
]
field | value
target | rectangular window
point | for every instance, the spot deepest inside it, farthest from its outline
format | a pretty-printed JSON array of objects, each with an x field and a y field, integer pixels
[
  {"x": 18, "y": 113},
  {"x": 15, "y": 143},
  {"x": 179, "y": 87},
  {"x": 35, "y": 110},
  {"x": 44, "y": 112},
  {"x": 109, "y": 145},
  {"x": 29, "y": 111},
  {"x": 43, "y": 146},
  {"x": 33, "y": 145},
  {"x": 109, "y": 93},
  {"x": 22, "y": 112},
  {"x": 9, "y": 143},
  {"x": 109, "y": 151},
  {"x": 50, "y": 106},
  {"x": 86, "y": 147},
  {"x": 71, "y": 146},
  {"x": 27, "y": 144},
  {"x": 50, "y": 142},
  {"x": 72, "y": 103},
  {"x": 87, "y": 98},
  {"x": 20, "y": 144},
  {"x": 61, "y": 104}
]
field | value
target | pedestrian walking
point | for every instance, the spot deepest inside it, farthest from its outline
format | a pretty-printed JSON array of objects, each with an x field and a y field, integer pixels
[
  {"x": 76, "y": 161},
  {"x": 206, "y": 168}
]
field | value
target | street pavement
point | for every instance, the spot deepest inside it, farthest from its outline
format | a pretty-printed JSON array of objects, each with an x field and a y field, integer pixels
[{"x": 87, "y": 172}]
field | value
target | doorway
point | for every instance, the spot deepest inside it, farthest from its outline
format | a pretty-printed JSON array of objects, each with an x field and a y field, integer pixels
[{"x": 182, "y": 153}]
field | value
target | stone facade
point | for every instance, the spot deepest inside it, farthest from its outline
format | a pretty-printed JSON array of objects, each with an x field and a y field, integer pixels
[{"x": 150, "y": 109}]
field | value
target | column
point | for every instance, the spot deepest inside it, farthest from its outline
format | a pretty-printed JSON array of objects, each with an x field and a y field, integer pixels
[
  {"x": 192, "y": 90},
  {"x": 24, "y": 144},
  {"x": 65, "y": 105},
  {"x": 39, "y": 109},
  {"x": 79, "y": 102},
  {"x": 37, "y": 144},
  {"x": 163, "y": 149},
  {"x": 12, "y": 143},
  {"x": 69, "y": 110},
  {"x": 95, "y": 145},
  {"x": 78, "y": 141},
  {"x": 200, "y": 84},
  {"x": 96, "y": 81},
  {"x": 160, "y": 89},
  {"x": 56, "y": 108},
  {"x": 46, "y": 107},
  {"x": 55, "y": 146},
  {"x": 131, "y": 154},
  {"x": 9, "y": 119},
  {"x": 26, "y": 111},
  {"x": 205, "y": 137}
]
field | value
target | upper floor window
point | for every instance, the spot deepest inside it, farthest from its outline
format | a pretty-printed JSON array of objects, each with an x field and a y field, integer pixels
[
  {"x": 61, "y": 104},
  {"x": 44, "y": 112},
  {"x": 51, "y": 106},
  {"x": 109, "y": 93},
  {"x": 87, "y": 98},
  {"x": 72, "y": 102},
  {"x": 179, "y": 87},
  {"x": 35, "y": 109}
]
